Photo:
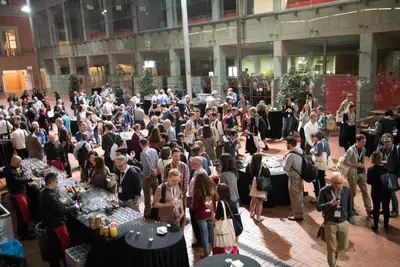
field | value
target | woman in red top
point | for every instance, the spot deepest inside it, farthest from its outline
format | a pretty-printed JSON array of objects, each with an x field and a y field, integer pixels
[
  {"x": 136, "y": 136},
  {"x": 203, "y": 190},
  {"x": 155, "y": 140}
]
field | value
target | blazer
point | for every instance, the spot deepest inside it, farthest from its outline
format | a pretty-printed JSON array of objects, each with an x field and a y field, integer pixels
[
  {"x": 131, "y": 185},
  {"x": 351, "y": 156}
]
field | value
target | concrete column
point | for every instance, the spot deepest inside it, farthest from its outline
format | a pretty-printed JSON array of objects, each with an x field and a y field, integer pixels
[
  {"x": 85, "y": 24},
  {"x": 108, "y": 17},
  {"x": 256, "y": 62},
  {"x": 72, "y": 66},
  {"x": 367, "y": 74},
  {"x": 175, "y": 68},
  {"x": 219, "y": 69},
  {"x": 280, "y": 67},
  {"x": 135, "y": 21},
  {"x": 139, "y": 64},
  {"x": 66, "y": 24},
  {"x": 112, "y": 65},
  {"x": 216, "y": 10},
  {"x": 171, "y": 13},
  {"x": 50, "y": 21},
  {"x": 277, "y": 5},
  {"x": 57, "y": 69}
]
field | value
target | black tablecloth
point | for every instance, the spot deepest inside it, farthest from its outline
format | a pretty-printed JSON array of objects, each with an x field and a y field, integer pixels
[
  {"x": 278, "y": 197},
  {"x": 219, "y": 260},
  {"x": 371, "y": 144},
  {"x": 6, "y": 152},
  {"x": 275, "y": 120},
  {"x": 164, "y": 251}
]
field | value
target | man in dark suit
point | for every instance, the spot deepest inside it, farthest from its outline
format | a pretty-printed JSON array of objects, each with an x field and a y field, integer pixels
[
  {"x": 65, "y": 141},
  {"x": 129, "y": 186},
  {"x": 108, "y": 140}
]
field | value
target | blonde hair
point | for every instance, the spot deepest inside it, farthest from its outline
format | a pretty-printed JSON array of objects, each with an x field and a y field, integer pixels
[
  {"x": 201, "y": 145},
  {"x": 174, "y": 173},
  {"x": 376, "y": 157}
]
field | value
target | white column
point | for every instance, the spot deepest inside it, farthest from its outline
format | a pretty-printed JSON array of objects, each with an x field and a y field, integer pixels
[
  {"x": 280, "y": 67},
  {"x": 66, "y": 24},
  {"x": 139, "y": 64},
  {"x": 72, "y": 66},
  {"x": 216, "y": 10},
  {"x": 277, "y": 5},
  {"x": 185, "y": 27},
  {"x": 219, "y": 69},
  {"x": 57, "y": 69},
  {"x": 175, "y": 67},
  {"x": 135, "y": 23},
  {"x": 50, "y": 22},
  {"x": 171, "y": 13},
  {"x": 112, "y": 65},
  {"x": 256, "y": 66},
  {"x": 367, "y": 74}
]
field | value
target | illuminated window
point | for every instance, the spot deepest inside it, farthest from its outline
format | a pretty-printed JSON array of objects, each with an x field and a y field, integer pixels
[
  {"x": 3, "y": 2},
  {"x": 10, "y": 42},
  {"x": 232, "y": 71}
]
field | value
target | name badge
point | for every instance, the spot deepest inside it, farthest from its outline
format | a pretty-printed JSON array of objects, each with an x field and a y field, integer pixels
[
  {"x": 120, "y": 189},
  {"x": 288, "y": 115},
  {"x": 337, "y": 213}
]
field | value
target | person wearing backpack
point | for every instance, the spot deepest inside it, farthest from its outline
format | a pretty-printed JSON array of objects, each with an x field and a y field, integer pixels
[
  {"x": 108, "y": 143},
  {"x": 81, "y": 151},
  {"x": 293, "y": 166},
  {"x": 322, "y": 123}
]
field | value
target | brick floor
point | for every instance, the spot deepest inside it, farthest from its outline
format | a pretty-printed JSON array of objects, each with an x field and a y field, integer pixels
[{"x": 279, "y": 242}]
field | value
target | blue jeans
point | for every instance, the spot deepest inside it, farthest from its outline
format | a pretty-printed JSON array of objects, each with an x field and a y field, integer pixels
[
  {"x": 395, "y": 203},
  {"x": 286, "y": 126},
  {"x": 207, "y": 234}
]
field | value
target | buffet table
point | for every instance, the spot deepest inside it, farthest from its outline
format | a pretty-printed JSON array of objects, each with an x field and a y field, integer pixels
[
  {"x": 279, "y": 196},
  {"x": 275, "y": 121}
]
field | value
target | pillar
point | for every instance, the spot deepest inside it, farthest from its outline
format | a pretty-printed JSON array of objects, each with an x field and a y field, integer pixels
[
  {"x": 280, "y": 67},
  {"x": 135, "y": 21},
  {"x": 112, "y": 66},
  {"x": 175, "y": 68},
  {"x": 139, "y": 64},
  {"x": 256, "y": 62},
  {"x": 171, "y": 13},
  {"x": 85, "y": 23},
  {"x": 50, "y": 21},
  {"x": 277, "y": 5},
  {"x": 72, "y": 66},
  {"x": 108, "y": 17},
  {"x": 216, "y": 10},
  {"x": 219, "y": 69},
  {"x": 66, "y": 24},
  {"x": 367, "y": 74},
  {"x": 57, "y": 69}
]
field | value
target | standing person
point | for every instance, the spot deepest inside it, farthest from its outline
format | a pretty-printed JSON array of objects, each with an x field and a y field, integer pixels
[
  {"x": 397, "y": 119},
  {"x": 310, "y": 129},
  {"x": 81, "y": 151},
  {"x": 66, "y": 121},
  {"x": 129, "y": 184},
  {"x": 108, "y": 140},
  {"x": 321, "y": 147},
  {"x": 54, "y": 215},
  {"x": 165, "y": 159},
  {"x": 18, "y": 141},
  {"x": 385, "y": 125},
  {"x": 190, "y": 129},
  {"x": 256, "y": 169},
  {"x": 293, "y": 166},
  {"x": 54, "y": 153},
  {"x": 322, "y": 124},
  {"x": 206, "y": 136},
  {"x": 155, "y": 140},
  {"x": 5, "y": 127},
  {"x": 218, "y": 133},
  {"x": 229, "y": 175},
  {"x": 97, "y": 102},
  {"x": 183, "y": 168},
  {"x": 348, "y": 132},
  {"x": 149, "y": 159},
  {"x": 40, "y": 133},
  {"x": 288, "y": 112},
  {"x": 212, "y": 100},
  {"x": 138, "y": 116},
  {"x": 334, "y": 202},
  {"x": 304, "y": 118},
  {"x": 65, "y": 141},
  {"x": 204, "y": 188},
  {"x": 311, "y": 102},
  {"x": 99, "y": 173},
  {"x": 391, "y": 160},
  {"x": 136, "y": 136},
  {"x": 344, "y": 105},
  {"x": 34, "y": 146},
  {"x": 169, "y": 130},
  {"x": 354, "y": 159},
  {"x": 378, "y": 194},
  {"x": 252, "y": 144},
  {"x": 16, "y": 184}
]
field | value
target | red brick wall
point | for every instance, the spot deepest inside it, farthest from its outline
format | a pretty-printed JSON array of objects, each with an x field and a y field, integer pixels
[{"x": 24, "y": 31}]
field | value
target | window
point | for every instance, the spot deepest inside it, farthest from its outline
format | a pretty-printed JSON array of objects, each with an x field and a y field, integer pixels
[
  {"x": 10, "y": 42},
  {"x": 232, "y": 71},
  {"x": 3, "y": 2}
]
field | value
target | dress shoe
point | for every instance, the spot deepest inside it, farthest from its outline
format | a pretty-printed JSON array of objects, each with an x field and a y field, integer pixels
[
  {"x": 293, "y": 218},
  {"x": 374, "y": 228}
]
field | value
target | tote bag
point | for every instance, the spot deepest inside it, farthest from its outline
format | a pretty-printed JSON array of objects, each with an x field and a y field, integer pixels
[
  {"x": 224, "y": 232},
  {"x": 323, "y": 162}
]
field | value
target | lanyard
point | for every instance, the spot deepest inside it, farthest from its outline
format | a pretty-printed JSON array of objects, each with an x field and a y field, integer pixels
[
  {"x": 359, "y": 157},
  {"x": 385, "y": 157},
  {"x": 122, "y": 178}
]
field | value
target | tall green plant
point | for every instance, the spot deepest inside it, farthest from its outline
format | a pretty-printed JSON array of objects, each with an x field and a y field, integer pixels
[
  {"x": 146, "y": 84},
  {"x": 292, "y": 85},
  {"x": 73, "y": 84}
]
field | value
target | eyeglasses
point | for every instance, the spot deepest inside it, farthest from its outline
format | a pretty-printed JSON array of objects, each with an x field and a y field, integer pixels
[{"x": 387, "y": 141}]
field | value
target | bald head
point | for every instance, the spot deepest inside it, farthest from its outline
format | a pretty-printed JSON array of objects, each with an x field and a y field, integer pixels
[{"x": 16, "y": 161}]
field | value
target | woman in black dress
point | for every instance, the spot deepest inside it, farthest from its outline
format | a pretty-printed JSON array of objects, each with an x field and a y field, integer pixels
[
  {"x": 252, "y": 145},
  {"x": 348, "y": 134}
]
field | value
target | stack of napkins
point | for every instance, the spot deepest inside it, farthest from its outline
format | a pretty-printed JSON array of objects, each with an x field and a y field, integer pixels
[
  {"x": 162, "y": 230},
  {"x": 237, "y": 263}
]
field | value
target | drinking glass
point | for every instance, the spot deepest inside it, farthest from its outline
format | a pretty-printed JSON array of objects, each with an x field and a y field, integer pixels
[
  {"x": 228, "y": 250},
  {"x": 208, "y": 201},
  {"x": 138, "y": 228},
  {"x": 151, "y": 234}
]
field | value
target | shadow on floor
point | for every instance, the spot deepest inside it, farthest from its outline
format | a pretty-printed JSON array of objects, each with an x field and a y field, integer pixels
[{"x": 278, "y": 245}]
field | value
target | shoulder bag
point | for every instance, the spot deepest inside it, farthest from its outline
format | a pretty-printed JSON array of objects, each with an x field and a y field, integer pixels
[
  {"x": 390, "y": 182},
  {"x": 237, "y": 221},
  {"x": 263, "y": 183},
  {"x": 224, "y": 231}
]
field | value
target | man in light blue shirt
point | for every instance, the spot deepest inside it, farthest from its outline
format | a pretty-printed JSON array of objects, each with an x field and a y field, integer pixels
[{"x": 66, "y": 120}]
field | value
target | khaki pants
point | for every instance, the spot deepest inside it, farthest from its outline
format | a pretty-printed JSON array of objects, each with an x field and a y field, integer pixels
[
  {"x": 131, "y": 203},
  {"x": 149, "y": 187},
  {"x": 296, "y": 188},
  {"x": 337, "y": 239},
  {"x": 359, "y": 180}
]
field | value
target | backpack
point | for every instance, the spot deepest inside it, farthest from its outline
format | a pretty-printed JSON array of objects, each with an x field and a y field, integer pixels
[
  {"x": 154, "y": 211},
  {"x": 82, "y": 155},
  {"x": 308, "y": 169},
  {"x": 330, "y": 123}
]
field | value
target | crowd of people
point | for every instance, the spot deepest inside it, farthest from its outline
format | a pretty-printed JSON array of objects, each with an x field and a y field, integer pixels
[{"x": 188, "y": 158}]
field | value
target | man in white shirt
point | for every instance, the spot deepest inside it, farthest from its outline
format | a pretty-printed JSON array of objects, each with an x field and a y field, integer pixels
[
  {"x": 38, "y": 105},
  {"x": 5, "y": 126},
  {"x": 218, "y": 132},
  {"x": 108, "y": 107},
  {"x": 190, "y": 129},
  {"x": 212, "y": 100},
  {"x": 310, "y": 129},
  {"x": 154, "y": 98},
  {"x": 18, "y": 141},
  {"x": 97, "y": 101},
  {"x": 170, "y": 131}
]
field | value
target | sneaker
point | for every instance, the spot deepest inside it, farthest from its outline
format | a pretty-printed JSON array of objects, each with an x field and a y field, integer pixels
[
  {"x": 266, "y": 148},
  {"x": 394, "y": 214},
  {"x": 293, "y": 218}
]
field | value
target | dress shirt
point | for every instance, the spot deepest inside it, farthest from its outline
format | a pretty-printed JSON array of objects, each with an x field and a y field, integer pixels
[
  {"x": 149, "y": 159},
  {"x": 309, "y": 130}
]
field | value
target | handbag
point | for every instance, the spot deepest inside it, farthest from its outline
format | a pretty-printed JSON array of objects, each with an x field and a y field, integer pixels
[
  {"x": 323, "y": 162},
  {"x": 237, "y": 221},
  {"x": 224, "y": 231},
  {"x": 263, "y": 183},
  {"x": 321, "y": 230},
  {"x": 390, "y": 182}
]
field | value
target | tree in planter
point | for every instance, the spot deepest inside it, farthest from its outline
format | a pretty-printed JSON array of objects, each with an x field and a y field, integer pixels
[
  {"x": 293, "y": 85},
  {"x": 146, "y": 84},
  {"x": 73, "y": 84}
]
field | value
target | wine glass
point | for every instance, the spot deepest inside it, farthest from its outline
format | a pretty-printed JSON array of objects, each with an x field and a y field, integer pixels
[
  {"x": 208, "y": 201},
  {"x": 138, "y": 228},
  {"x": 151, "y": 234},
  {"x": 228, "y": 250}
]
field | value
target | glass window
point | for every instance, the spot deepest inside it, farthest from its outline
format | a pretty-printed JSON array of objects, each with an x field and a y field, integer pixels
[
  {"x": 10, "y": 42},
  {"x": 3, "y": 2}
]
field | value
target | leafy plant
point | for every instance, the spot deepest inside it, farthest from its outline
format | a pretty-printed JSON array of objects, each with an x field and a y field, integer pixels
[
  {"x": 293, "y": 85},
  {"x": 146, "y": 84},
  {"x": 73, "y": 84}
]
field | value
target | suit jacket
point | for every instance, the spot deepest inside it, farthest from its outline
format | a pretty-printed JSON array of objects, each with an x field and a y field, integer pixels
[
  {"x": 34, "y": 146},
  {"x": 351, "y": 156},
  {"x": 131, "y": 185}
]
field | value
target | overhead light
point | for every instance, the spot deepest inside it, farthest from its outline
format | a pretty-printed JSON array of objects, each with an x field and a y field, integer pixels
[
  {"x": 384, "y": 8},
  {"x": 26, "y": 9},
  {"x": 104, "y": 11}
]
